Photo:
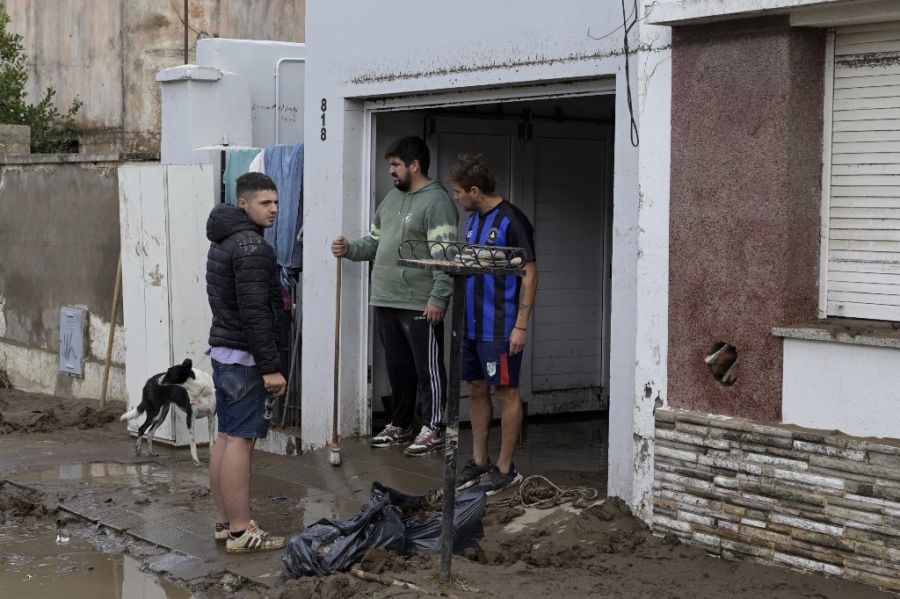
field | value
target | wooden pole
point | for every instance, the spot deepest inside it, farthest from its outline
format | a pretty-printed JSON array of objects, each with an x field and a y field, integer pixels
[{"x": 117, "y": 291}]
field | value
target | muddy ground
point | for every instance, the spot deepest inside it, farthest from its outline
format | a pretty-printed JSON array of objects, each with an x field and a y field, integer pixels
[
  {"x": 598, "y": 551},
  {"x": 22, "y": 412}
]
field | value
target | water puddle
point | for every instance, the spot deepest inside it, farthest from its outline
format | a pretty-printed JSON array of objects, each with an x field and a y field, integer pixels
[
  {"x": 92, "y": 470},
  {"x": 45, "y": 562}
]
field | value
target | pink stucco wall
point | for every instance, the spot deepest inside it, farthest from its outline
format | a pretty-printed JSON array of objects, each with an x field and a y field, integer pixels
[{"x": 746, "y": 190}]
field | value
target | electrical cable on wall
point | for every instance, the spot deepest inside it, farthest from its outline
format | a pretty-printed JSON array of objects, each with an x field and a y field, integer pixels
[{"x": 635, "y": 136}]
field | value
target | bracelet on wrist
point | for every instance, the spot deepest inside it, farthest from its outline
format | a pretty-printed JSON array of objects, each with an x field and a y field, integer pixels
[{"x": 520, "y": 328}]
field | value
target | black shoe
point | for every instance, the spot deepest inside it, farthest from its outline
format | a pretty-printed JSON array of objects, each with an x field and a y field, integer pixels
[
  {"x": 470, "y": 474},
  {"x": 494, "y": 481}
]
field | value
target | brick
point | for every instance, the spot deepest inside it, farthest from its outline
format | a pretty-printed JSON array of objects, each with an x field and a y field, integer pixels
[
  {"x": 776, "y": 461},
  {"x": 879, "y": 447},
  {"x": 847, "y": 477},
  {"x": 804, "y": 524},
  {"x": 693, "y": 429},
  {"x": 870, "y": 536},
  {"x": 752, "y": 502},
  {"x": 685, "y": 499},
  {"x": 729, "y": 526},
  {"x": 751, "y": 522},
  {"x": 730, "y": 464},
  {"x": 684, "y": 471},
  {"x": 719, "y": 444},
  {"x": 839, "y": 514},
  {"x": 809, "y": 478},
  {"x": 757, "y": 514},
  {"x": 892, "y": 556},
  {"x": 810, "y": 436},
  {"x": 725, "y": 481},
  {"x": 683, "y": 480},
  {"x": 795, "y": 493},
  {"x": 884, "y": 582},
  {"x": 679, "y": 437},
  {"x": 733, "y": 424},
  {"x": 705, "y": 539},
  {"x": 764, "y": 537},
  {"x": 671, "y": 524},
  {"x": 772, "y": 431},
  {"x": 855, "y": 467},
  {"x": 815, "y": 552},
  {"x": 876, "y": 569},
  {"x": 661, "y": 459},
  {"x": 685, "y": 456},
  {"x": 663, "y": 425},
  {"x": 807, "y": 564},
  {"x": 766, "y": 441},
  {"x": 747, "y": 548},
  {"x": 663, "y": 415},
  {"x": 789, "y": 454},
  {"x": 696, "y": 518},
  {"x": 692, "y": 417},
  {"x": 883, "y": 491},
  {"x": 822, "y": 540},
  {"x": 857, "y": 502},
  {"x": 868, "y": 549},
  {"x": 884, "y": 459},
  {"x": 734, "y": 510},
  {"x": 826, "y": 450}
]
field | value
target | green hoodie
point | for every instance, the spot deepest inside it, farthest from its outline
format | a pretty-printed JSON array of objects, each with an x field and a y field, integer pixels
[{"x": 426, "y": 214}]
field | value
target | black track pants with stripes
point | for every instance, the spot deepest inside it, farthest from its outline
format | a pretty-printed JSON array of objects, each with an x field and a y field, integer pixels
[{"x": 414, "y": 355}]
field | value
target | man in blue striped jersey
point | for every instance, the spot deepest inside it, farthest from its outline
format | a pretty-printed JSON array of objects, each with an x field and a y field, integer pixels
[{"x": 497, "y": 311}]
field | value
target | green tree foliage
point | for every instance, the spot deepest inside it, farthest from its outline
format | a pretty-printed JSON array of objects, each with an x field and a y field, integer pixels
[{"x": 51, "y": 131}]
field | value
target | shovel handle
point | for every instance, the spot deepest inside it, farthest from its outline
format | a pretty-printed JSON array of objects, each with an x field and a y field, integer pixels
[{"x": 337, "y": 353}]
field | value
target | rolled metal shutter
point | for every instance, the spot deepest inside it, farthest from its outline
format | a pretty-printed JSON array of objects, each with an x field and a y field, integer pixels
[{"x": 863, "y": 174}]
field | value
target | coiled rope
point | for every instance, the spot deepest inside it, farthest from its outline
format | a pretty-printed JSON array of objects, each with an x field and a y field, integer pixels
[{"x": 540, "y": 492}]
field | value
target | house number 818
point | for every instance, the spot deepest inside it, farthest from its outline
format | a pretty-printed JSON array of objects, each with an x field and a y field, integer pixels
[{"x": 323, "y": 134}]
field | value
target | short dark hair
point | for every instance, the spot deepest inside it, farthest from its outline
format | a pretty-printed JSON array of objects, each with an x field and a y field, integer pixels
[
  {"x": 408, "y": 149},
  {"x": 250, "y": 183},
  {"x": 472, "y": 171}
]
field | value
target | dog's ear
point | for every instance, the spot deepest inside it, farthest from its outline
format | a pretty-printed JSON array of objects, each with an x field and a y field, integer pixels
[{"x": 187, "y": 363}]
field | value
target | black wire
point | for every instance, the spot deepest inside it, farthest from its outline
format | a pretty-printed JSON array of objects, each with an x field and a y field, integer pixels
[{"x": 635, "y": 136}]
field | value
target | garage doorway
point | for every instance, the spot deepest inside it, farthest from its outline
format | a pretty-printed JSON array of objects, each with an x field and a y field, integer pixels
[{"x": 554, "y": 160}]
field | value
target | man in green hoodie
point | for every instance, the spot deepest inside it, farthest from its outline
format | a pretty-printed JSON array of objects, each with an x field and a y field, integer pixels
[{"x": 409, "y": 303}]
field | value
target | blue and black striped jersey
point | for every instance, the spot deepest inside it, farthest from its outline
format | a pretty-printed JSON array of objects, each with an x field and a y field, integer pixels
[{"x": 492, "y": 301}]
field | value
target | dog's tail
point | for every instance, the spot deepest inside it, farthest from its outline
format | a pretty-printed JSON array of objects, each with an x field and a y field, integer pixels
[{"x": 132, "y": 413}]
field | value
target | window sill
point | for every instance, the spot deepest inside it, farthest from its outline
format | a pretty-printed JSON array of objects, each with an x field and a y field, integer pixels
[{"x": 878, "y": 333}]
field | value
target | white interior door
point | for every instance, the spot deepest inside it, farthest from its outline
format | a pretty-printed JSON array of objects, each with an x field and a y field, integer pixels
[{"x": 562, "y": 181}]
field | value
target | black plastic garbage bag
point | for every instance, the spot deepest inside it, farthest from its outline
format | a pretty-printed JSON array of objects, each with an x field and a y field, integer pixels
[
  {"x": 422, "y": 519},
  {"x": 408, "y": 524}
]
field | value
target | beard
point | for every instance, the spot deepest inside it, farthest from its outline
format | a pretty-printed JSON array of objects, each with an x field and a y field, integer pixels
[{"x": 402, "y": 184}]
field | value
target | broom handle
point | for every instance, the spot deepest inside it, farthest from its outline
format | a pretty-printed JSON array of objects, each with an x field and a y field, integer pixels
[
  {"x": 117, "y": 291},
  {"x": 337, "y": 353}
]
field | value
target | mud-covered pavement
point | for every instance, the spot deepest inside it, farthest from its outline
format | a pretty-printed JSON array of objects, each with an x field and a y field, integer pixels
[{"x": 127, "y": 523}]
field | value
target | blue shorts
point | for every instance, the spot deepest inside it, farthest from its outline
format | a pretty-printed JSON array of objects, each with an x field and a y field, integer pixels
[
  {"x": 490, "y": 361},
  {"x": 240, "y": 400}
]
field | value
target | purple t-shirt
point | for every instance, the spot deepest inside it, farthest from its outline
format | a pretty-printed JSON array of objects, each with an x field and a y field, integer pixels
[{"x": 229, "y": 355}]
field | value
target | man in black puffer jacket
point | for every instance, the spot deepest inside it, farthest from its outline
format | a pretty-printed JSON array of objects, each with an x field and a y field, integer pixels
[{"x": 245, "y": 298}]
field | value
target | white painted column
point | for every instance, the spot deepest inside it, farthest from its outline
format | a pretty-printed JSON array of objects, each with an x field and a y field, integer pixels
[{"x": 631, "y": 419}]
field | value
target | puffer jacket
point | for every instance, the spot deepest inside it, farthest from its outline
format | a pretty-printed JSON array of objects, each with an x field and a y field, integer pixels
[{"x": 243, "y": 289}]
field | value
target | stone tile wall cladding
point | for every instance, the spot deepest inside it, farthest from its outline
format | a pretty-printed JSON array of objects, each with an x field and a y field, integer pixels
[{"x": 806, "y": 499}]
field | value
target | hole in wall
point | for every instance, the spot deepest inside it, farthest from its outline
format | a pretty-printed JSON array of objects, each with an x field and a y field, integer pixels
[{"x": 722, "y": 361}]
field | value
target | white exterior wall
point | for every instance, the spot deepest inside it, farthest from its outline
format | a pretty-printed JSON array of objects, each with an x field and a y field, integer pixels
[
  {"x": 256, "y": 61},
  {"x": 447, "y": 53},
  {"x": 851, "y": 388}
]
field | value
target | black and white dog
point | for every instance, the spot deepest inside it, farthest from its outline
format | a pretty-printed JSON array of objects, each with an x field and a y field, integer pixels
[{"x": 189, "y": 389}]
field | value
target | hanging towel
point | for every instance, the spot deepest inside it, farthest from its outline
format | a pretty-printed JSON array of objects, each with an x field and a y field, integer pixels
[
  {"x": 284, "y": 164},
  {"x": 237, "y": 162}
]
